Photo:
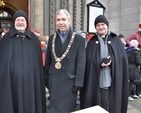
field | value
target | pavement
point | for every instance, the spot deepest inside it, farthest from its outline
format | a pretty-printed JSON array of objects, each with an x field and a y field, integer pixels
[{"x": 133, "y": 106}]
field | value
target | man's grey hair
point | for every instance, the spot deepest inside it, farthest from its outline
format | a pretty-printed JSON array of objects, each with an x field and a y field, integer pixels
[{"x": 63, "y": 11}]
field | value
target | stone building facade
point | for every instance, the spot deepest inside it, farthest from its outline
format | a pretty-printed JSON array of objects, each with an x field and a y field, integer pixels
[{"x": 123, "y": 15}]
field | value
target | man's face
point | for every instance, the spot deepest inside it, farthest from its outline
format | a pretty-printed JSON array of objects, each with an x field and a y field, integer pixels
[
  {"x": 62, "y": 22},
  {"x": 20, "y": 23},
  {"x": 122, "y": 39},
  {"x": 102, "y": 29}
]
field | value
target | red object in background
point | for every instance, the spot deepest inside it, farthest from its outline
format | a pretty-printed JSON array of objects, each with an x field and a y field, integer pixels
[
  {"x": 43, "y": 54},
  {"x": 43, "y": 58},
  {"x": 37, "y": 32},
  {"x": 140, "y": 25},
  {"x": 90, "y": 36},
  {"x": 4, "y": 32}
]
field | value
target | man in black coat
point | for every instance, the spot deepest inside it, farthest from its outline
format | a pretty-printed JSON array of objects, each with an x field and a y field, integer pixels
[
  {"x": 106, "y": 76},
  {"x": 22, "y": 88},
  {"x": 65, "y": 65}
]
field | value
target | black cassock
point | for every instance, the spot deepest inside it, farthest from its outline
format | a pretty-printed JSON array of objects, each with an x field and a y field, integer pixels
[
  {"x": 22, "y": 88},
  {"x": 118, "y": 95}
]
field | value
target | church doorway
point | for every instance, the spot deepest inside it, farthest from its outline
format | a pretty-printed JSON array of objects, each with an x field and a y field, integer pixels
[{"x": 7, "y": 11}]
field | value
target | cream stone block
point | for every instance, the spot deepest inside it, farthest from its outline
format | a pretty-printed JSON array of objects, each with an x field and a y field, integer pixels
[{"x": 95, "y": 109}]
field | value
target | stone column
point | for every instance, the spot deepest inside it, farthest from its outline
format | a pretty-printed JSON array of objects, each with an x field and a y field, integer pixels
[
  {"x": 46, "y": 18},
  {"x": 77, "y": 15},
  {"x": 39, "y": 16},
  {"x": 32, "y": 12},
  {"x": 70, "y": 10},
  {"x": 114, "y": 15}
]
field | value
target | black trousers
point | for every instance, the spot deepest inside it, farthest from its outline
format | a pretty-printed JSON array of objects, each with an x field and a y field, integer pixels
[
  {"x": 104, "y": 98},
  {"x": 132, "y": 88},
  {"x": 138, "y": 86}
]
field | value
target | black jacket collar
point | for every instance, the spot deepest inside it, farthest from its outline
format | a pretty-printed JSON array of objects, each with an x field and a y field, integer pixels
[{"x": 15, "y": 32}]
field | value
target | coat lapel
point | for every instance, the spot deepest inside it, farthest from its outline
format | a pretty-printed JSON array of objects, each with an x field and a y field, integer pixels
[{"x": 60, "y": 48}]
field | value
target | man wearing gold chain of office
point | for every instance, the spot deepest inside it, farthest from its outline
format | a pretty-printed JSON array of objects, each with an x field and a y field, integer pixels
[{"x": 65, "y": 65}]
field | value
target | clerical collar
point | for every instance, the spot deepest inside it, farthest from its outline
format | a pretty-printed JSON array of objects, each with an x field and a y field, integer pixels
[{"x": 102, "y": 36}]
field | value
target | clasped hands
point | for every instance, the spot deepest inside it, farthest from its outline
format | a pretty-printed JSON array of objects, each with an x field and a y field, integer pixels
[{"x": 106, "y": 61}]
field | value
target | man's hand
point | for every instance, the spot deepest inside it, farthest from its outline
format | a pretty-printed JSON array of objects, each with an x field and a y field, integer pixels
[
  {"x": 76, "y": 88},
  {"x": 106, "y": 61}
]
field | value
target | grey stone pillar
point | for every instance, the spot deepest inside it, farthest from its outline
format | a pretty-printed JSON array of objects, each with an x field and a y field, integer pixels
[
  {"x": 46, "y": 18},
  {"x": 32, "y": 12},
  {"x": 77, "y": 25},
  {"x": 39, "y": 15},
  {"x": 114, "y": 15}
]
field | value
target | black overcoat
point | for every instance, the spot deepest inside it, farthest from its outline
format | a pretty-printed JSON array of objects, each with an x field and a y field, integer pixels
[
  {"x": 21, "y": 74},
  {"x": 61, "y": 81},
  {"x": 134, "y": 61},
  {"x": 118, "y": 95}
]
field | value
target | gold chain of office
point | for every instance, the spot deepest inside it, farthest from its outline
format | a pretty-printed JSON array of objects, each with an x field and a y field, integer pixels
[{"x": 58, "y": 60}]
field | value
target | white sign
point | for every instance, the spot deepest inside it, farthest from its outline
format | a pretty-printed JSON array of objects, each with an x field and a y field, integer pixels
[
  {"x": 95, "y": 109},
  {"x": 93, "y": 13}
]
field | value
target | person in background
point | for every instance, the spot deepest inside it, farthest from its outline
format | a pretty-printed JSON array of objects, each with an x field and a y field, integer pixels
[
  {"x": 138, "y": 88},
  {"x": 43, "y": 41},
  {"x": 1, "y": 30},
  {"x": 47, "y": 38},
  {"x": 84, "y": 35},
  {"x": 134, "y": 61},
  {"x": 22, "y": 87},
  {"x": 3, "y": 33},
  {"x": 37, "y": 33},
  {"x": 136, "y": 35},
  {"x": 65, "y": 65},
  {"x": 122, "y": 40},
  {"x": 106, "y": 75}
]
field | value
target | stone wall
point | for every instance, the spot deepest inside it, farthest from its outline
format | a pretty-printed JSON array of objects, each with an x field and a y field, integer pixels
[
  {"x": 37, "y": 15},
  {"x": 130, "y": 16},
  {"x": 50, "y": 7},
  {"x": 123, "y": 15}
]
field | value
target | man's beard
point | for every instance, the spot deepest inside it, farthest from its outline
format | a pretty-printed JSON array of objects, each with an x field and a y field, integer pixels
[{"x": 21, "y": 29}]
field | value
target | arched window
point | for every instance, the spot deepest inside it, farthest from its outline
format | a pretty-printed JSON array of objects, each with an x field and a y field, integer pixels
[{"x": 6, "y": 15}]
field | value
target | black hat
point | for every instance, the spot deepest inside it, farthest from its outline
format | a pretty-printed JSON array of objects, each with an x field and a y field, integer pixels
[
  {"x": 20, "y": 13},
  {"x": 101, "y": 18},
  {"x": 121, "y": 36}
]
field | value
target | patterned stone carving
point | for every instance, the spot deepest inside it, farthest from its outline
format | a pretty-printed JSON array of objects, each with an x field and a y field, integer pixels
[
  {"x": 52, "y": 16},
  {"x": 77, "y": 12},
  {"x": 75, "y": 9}
]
